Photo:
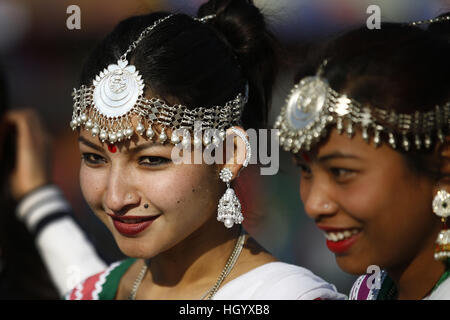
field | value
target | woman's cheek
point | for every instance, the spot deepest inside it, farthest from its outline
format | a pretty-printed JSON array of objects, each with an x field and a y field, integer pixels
[
  {"x": 196, "y": 189},
  {"x": 91, "y": 183},
  {"x": 304, "y": 190}
]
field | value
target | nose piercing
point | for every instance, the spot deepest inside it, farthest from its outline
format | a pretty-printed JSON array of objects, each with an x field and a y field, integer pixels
[
  {"x": 146, "y": 205},
  {"x": 326, "y": 206}
]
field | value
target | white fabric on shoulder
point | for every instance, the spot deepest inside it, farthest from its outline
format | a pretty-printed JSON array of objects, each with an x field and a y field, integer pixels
[
  {"x": 278, "y": 281},
  {"x": 41, "y": 203},
  {"x": 442, "y": 292},
  {"x": 39, "y": 195},
  {"x": 68, "y": 255}
]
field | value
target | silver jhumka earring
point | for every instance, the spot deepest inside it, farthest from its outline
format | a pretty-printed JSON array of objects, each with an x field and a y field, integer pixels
[
  {"x": 229, "y": 210},
  {"x": 441, "y": 207}
]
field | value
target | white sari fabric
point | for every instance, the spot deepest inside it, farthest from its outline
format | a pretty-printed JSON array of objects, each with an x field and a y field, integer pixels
[
  {"x": 278, "y": 281},
  {"x": 441, "y": 293}
]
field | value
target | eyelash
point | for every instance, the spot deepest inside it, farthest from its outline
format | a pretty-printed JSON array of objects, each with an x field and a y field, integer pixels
[
  {"x": 87, "y": 157},
  {"x": 161, "y": 161},
  {"x": 338, "y": 173},
  {"x": 95, "y": 159},
  {"x": 305, "y": 171},
  {"x": 304, "y": 168}
]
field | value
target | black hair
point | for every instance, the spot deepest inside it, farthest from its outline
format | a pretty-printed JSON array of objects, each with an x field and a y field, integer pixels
[
  {"x": 399, "y": 67},
  {"x": 199, "y": 64}
]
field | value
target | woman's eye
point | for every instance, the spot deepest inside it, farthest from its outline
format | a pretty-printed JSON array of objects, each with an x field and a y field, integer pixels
[
  {"x": 153, "y": 161},
  {"x": 92, "y": 158},
  {"x": 341, "y": 172},
  {"x": 305, "y": 170}
]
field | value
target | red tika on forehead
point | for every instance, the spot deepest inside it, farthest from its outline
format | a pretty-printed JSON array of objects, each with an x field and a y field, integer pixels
[
  {"x": 306, "y": 157},
  {"x": 112, "y": 148}
]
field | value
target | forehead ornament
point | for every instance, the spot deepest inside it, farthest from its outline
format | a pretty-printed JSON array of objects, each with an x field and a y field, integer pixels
[
  {"x": 313, "y": 107},
  {"x": 106, "y": 107}
]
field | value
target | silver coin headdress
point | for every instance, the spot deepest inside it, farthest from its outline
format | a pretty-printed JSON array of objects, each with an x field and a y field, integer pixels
[
  {"x": 313, "y": 107},
  {"x": 106, "y": 107}
]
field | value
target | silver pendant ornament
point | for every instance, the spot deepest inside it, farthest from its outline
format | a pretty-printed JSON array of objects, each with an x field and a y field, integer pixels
[
  {"x": 106, "y": 107},
  {"x": 117, "y": 88},
  {"x": 313, "y": 106},
  {"x": 441, "y": 207},
  {"x": 229, "y": 210}
]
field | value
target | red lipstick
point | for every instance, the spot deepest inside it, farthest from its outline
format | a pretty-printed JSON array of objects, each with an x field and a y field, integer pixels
[
  {"x": 342, "y": 245},
  {"x": 132, "y": 225},
  {"x": 340, "y": 240}
]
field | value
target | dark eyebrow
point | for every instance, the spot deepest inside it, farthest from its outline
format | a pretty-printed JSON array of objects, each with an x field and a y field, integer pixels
[
  {"x": 336, "y": 155},
  {"x": 90, "y": 144},
  {"x": 131, "y": 150},
  {"x": 142, "y": 147}
]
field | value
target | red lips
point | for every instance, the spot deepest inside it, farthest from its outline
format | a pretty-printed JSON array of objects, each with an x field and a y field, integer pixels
[
  {"x": 132, "y": 225},
  {"x": 341, "y": 246},
  {"x": 340, "y": 240}
]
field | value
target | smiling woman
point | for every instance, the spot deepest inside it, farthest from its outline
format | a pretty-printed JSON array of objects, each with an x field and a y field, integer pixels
[
  {"x": 153, "y": 77},
  {"x": 117, "y": 185},
  {"x": 370, "y": 134}
]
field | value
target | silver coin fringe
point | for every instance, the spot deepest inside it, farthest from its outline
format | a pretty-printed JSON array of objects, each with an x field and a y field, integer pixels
[
  {"x": 430, "y": 21},
  {"x": 400, "y": 130},
  {"x": 153, "y": 112}
]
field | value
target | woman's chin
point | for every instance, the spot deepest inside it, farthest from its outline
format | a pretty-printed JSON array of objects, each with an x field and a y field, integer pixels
[
  {"x": 352, "y": 265},
  {"x": 134, "y": 248}
]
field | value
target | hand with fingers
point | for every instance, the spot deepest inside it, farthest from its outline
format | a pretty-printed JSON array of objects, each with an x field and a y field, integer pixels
[{"x": 32, "y": 165}]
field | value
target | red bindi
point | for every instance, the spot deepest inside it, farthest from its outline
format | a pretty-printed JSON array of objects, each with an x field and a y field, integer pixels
[
  {"x": 112, "y": 148},
  {"x": 306, "y": 157}
]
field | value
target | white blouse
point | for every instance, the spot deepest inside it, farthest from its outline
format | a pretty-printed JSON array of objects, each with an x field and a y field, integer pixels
[
  {"x": 278, "y": 281},
  {"x": 442, "y": 292}
]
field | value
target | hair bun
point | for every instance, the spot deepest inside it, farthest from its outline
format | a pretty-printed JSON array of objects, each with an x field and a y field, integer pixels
[
  {"x": 242, "y": 27},
  {"x": 239, "y": 21}
]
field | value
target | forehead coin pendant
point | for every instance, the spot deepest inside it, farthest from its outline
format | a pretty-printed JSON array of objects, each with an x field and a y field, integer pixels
[
  {"x": 115, "y": 100},
  {"x": 313, "y": 107}
]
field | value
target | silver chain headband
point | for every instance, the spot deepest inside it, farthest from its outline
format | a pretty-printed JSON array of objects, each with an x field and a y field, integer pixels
[
  {"x": 313, "y": 106},
  {"x": 117, "y": 94},
  {"x": 430, "y": 21}
]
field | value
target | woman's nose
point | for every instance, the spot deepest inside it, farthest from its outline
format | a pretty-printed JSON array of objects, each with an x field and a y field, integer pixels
[
  {"x": 120, "y": 195},
  {"x": 317, "y": 199}
]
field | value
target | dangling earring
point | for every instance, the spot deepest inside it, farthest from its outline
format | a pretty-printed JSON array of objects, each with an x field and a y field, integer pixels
[
  {"x": 229, "y": 209},
  {"x": 441, "y": 207}
]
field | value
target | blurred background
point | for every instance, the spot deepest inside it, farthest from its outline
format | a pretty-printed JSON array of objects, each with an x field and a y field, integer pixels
[{"x": 42, "y": 59}]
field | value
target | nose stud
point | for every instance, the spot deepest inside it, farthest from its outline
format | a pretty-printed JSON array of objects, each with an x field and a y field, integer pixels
[
  {"x": 146, "y": 206},
  {"x": 326, "y": 206}
]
